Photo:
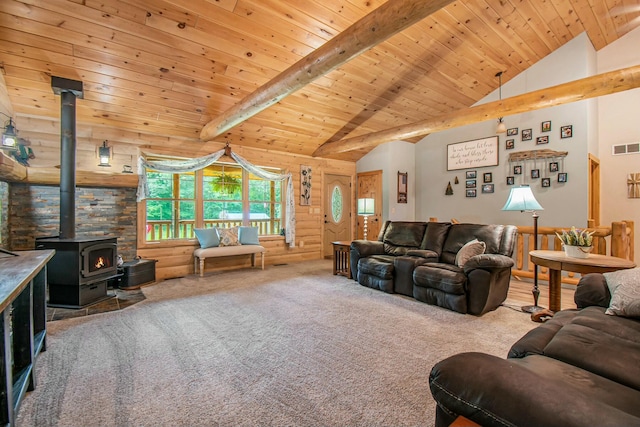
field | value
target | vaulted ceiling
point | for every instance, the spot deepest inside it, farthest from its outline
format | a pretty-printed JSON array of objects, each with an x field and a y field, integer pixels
[{"x": 162, "y": 69}]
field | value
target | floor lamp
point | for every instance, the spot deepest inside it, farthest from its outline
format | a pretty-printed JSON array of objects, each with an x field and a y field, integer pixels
[
  {"x": 365, "y": 208},
  {"x": 521, "y": 199}
]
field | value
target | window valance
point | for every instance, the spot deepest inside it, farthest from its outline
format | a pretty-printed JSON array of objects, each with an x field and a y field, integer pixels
[{"x": 192, "y": 165}]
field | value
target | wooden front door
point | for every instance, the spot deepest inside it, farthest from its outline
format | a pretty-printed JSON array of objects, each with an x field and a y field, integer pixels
[
  {"x": 337, "y": 211},
  {"x": 370, "y": 186}
]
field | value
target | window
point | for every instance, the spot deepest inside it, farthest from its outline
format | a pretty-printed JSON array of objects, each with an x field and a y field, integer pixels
[
  {"x": 230, "y": 196},
  {"x": 170, "y": 206}
]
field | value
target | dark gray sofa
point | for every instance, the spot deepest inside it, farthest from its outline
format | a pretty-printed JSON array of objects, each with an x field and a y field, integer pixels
[
  {"x": 418, "y": 259},
  {"x": 581, "y": 368}
]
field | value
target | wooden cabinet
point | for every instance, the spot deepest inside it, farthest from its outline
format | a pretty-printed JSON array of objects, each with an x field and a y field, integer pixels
[{"x": 23, "y": 289}]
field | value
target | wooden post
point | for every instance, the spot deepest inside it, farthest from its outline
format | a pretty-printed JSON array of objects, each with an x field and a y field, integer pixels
[{"x": 622, "y": 240}]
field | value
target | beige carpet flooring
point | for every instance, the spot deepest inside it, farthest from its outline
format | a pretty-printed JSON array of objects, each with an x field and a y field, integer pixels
[{"x": 292, "y": 345}]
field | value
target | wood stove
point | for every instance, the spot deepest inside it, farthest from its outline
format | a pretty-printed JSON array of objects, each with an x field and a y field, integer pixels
[{"x": 79, "y": 271}]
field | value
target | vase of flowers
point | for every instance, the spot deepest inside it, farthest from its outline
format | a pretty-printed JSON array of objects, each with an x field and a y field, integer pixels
[{"x": 576, "y": 243}]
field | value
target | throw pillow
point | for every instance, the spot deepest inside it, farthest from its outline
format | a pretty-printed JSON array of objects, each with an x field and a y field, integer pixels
[
  {"x": 624, "y": 286},
  {"x": 472, "y": 248},
  {"x": 208, "y": 237},
  {"x": 228, "y": 236},
  {"x": 248, "y": 235}
]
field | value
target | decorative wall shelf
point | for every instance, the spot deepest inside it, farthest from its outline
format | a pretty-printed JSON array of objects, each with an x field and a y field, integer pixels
[{"x": 536, "y": 154}]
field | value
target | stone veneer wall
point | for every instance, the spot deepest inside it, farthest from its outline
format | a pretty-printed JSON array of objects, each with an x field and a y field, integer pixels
[
  {"x": 4, "y": 215},
  {"x": 35, "y": 212}
]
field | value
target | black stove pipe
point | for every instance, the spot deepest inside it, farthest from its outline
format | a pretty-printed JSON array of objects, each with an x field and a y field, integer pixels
[
  {"x": 68, "y": 90},
  {"x": 68, "y": 166}
]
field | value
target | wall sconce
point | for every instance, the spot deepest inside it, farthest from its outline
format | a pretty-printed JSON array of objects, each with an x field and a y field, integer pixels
[
  {"x": 9, "y": 136},
  {"x": 104, "y": 153}
]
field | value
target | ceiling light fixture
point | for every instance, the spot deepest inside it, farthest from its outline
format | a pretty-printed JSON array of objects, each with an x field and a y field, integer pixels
[
  {"x": 501, "y": 128},
  {"x": 104, "y": 153}
]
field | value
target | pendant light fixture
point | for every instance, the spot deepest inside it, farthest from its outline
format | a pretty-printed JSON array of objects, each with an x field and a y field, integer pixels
[{"x": 501, "y": 128}]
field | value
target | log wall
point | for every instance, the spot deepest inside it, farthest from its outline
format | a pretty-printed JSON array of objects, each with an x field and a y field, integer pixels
[{"x": 176, "y": 260}]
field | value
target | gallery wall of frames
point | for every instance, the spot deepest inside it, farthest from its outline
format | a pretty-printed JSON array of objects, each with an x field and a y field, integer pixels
[{"x": 534, "y": 166}]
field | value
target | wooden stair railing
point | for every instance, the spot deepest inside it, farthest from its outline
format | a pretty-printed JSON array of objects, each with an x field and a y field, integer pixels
[{"x": 620, "y": 236}]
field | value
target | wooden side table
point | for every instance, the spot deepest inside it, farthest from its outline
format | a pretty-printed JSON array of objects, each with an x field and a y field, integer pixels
[
  {"x": 556, "y": 261},
  {"x": 342, "y": 258}
]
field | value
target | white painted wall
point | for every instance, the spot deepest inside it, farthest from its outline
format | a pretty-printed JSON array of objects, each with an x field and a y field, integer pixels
[
  {"x": 392, "y": 158},
  {"x": 564, "y": 204},
  {"x": 597, "y": 124},
  {"x": 619, "y": 123}
]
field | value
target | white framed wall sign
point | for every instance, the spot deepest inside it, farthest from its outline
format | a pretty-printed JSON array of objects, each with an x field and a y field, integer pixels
[{"x": 476, "y": 153}]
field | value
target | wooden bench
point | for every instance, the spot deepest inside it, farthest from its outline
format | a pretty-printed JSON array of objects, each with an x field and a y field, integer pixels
[{"x": 201, "y": 254}]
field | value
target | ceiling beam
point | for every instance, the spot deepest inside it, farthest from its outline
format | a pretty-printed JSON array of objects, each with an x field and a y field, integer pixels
[
  {"x": 578, "y": 90},
  {"x": 387, "y": 20}
]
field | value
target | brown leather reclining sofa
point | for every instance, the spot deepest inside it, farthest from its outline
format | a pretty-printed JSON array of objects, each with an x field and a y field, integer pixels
[
  {"x": 581, "y": 368},
  {"x": 421, "y": 260}
]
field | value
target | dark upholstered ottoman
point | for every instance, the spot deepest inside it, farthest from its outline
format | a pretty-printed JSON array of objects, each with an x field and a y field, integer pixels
[
  {"x": 441, "y": 284},
  {"x": 376, "y": 274}
]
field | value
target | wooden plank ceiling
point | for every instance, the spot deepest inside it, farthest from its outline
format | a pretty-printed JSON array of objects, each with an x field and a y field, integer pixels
[{"x": 156, "y": 71}]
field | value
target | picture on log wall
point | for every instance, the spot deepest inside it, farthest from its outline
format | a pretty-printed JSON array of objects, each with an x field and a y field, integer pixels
[{"x": 305, "y": 185}]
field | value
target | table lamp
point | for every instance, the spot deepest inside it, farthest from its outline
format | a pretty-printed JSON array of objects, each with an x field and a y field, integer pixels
[
  {"x": 365, "y": 208},
  {"x": 521, "y": 199}
]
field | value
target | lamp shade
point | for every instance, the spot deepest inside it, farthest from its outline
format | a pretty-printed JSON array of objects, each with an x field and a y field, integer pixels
[
  {"x": 365, "y": 207},
  {"x": 502, "y": 127},
  {"x": 522, "y": 199}
]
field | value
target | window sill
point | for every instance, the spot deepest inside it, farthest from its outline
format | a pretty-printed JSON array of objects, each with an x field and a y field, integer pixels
[{"x": 194, "y": 242}]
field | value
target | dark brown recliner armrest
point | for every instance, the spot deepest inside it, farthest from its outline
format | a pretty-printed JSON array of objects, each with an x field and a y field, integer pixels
[
  {"x": 592, "y": 290},
  {"x": 362, "y": 249}
]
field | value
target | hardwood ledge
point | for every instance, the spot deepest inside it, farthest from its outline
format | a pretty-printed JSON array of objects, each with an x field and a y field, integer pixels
[{"x": 12, "y": 171}]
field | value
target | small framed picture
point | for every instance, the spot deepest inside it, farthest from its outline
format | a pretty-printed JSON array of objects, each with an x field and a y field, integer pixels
[
  {"x": 542, "y": 140},
  {"x": 546, "y": 182},
  {"x": 511, "y": 180},
  {"x": 487, "y": 188},
  {"x": 546, "y": 126},
  {"x": 562, "y": 177},
  {"x": 566, "y": 131},
  {"x": 471, "y": 174},
  {"x": 510, "y": 144},
  {"x": 535, "y": 173},
  {"x": 471, "y": 183},
  {"x": 527, "y": 134},
  {"x": 512, "y": 131},
  {"x": 553, "y": 167},
  {"x": 487, "y": 177},
  {"x": 517, "y": 170},
  {"x": 471, "y": 192}
]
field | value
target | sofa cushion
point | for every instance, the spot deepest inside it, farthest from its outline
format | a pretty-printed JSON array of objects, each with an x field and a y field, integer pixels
[
  {"x": 207, "y": 237},
  {"x": 374, "y": 267},
  {"x": 435, "y": 236},
  {"x": 444, "y": 277},
  {"x": 608, "y": 346},
  {"x": 490, "y": 234},
  {"x": 624, "y": 286},
  {"x": 400, "y": 236},
  {"x": 248, "y": 235},
  {"x": 535, "y": 341},
  {"x": 470, "y": 249},
  {"x": 228, "y": 236}
]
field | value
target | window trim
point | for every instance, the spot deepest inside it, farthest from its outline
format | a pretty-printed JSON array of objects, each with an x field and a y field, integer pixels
[{"x": 199, "y": 209}]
